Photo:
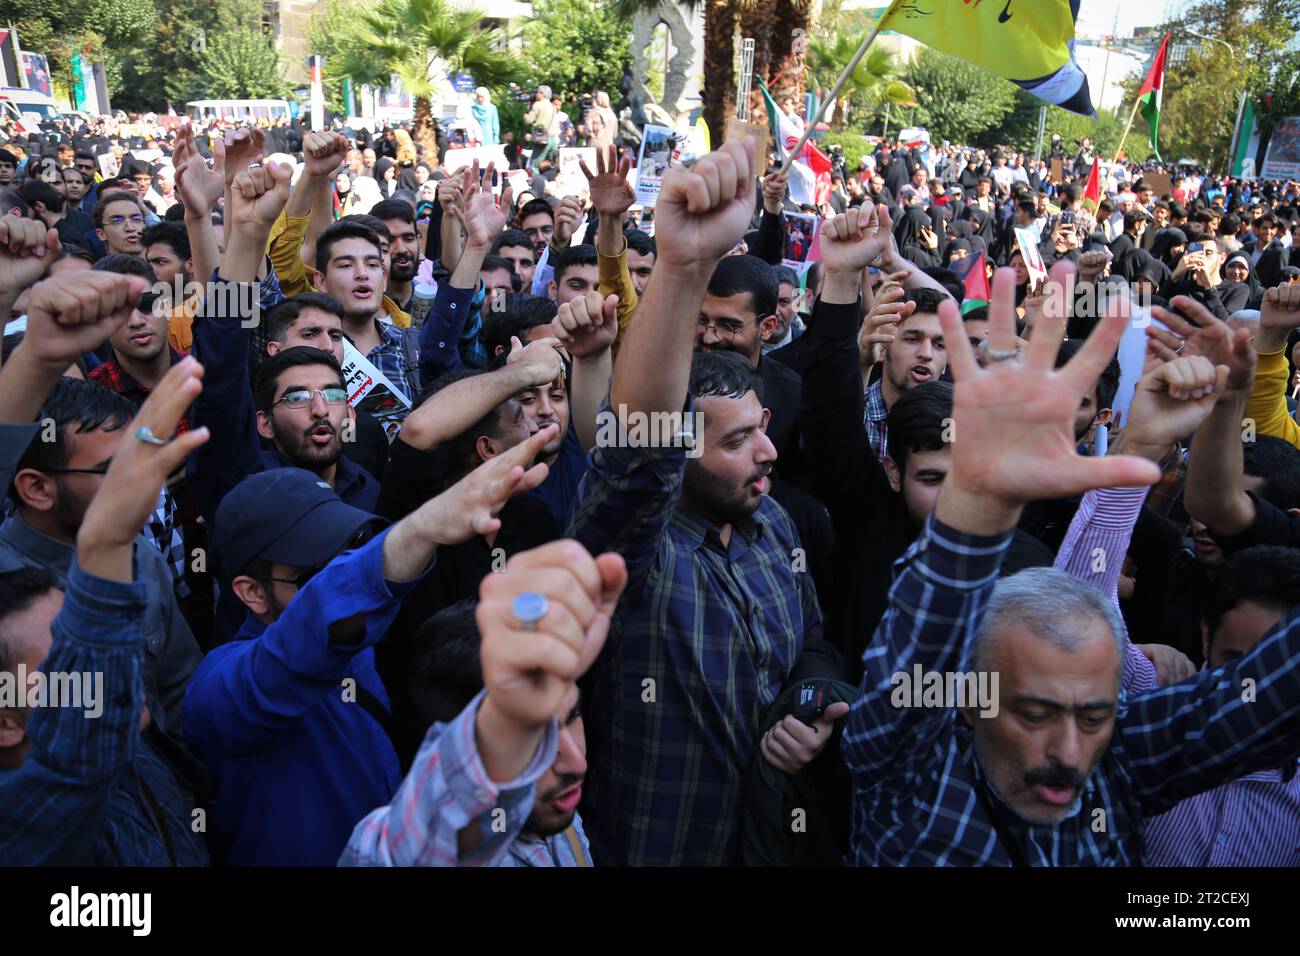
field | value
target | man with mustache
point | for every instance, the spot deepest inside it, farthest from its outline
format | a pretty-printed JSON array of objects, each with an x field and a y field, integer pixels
[
  {"x": 403, "y": 249},
  {"x": 1063, "y": 769}
]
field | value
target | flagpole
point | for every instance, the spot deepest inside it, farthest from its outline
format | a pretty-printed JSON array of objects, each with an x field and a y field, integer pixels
[
  {"x": 1120, "y": 148},
  {"x": 831, "y": 97}
]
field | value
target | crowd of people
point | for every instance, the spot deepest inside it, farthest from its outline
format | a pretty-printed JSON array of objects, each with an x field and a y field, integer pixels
[{"x": 906, "y": 579}]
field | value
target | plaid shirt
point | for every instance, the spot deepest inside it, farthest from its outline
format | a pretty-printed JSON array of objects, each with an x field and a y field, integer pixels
[
  {"x": 448, "y": 790},
  {"x": 704, "y": 639},
  {"x": 397, "y": 356},
  {"x": 112, "y": 376},
  {"x": 919, "y": 794},
  {"x": 161, "y": 528},
  {"x": 875, "y": 415}
]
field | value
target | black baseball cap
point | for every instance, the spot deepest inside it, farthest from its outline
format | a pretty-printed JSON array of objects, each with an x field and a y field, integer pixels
[{"x": 287, "y": 516}]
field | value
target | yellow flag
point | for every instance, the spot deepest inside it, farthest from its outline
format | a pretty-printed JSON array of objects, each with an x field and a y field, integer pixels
[{"x": 1030, "y": 42}]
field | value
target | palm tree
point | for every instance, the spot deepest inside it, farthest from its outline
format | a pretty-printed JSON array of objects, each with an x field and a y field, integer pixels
[
  {"x": 412, "y": 39},
  {"x": 771, "y": 23},
  {"x": 872, "y": 84}
]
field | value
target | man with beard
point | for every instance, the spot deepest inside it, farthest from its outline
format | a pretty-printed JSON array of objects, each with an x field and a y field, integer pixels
[
  {"x": 403, "y": 249},
  {"x": 677, "y": 698},
  {"x": 739, "y": 311}
]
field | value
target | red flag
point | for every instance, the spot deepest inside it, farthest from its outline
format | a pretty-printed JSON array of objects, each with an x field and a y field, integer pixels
[
  {"x": 1093, "y": 190},
  {"x": 820, "y": 164}
]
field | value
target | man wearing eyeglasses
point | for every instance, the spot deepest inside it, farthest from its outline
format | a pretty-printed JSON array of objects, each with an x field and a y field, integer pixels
[{"x": 119, "y": 223}]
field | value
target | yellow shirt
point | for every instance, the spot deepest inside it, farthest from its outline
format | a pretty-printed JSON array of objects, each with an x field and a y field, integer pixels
[
  {"x": 615, "y": 279},
  {"x": 1267, "y": 404}
]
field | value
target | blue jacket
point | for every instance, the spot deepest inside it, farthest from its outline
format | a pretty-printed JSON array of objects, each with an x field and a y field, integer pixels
[
  {"x": 91, "y": 791},
  {"x": 295, "y": 760}
]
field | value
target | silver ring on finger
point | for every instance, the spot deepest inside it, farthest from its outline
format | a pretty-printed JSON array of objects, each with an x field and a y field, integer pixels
[
  {"x": 992, "y": 354},
  {"x": 145, "y": 434},
  {"x": 529, "y": 608}
]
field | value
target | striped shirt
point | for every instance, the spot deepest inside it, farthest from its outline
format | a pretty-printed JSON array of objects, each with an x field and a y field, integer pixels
[
  {"x": 919, "y": 796},
  {"x": 446, "y": 791},
  {"x": 704, "y": 639}
]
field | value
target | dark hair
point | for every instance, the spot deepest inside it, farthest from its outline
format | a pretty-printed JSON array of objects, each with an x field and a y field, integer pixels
[
  {"x": 511, "y": 238},
  {"x": 461, "y": 451},
  {"x": 926, "y": 299},
  {"x": 1177, "y": 210},
  {"x": 10, "y": 199},
  {"x": 534, "y": 207},
  {"x": 77, "y": 405},
  {"x": 1107, "y": 384},
  {"x": 1028, "y": 207},
  {"x": 374, "y": 222},
  {"x": 1131, "y": 219},
  {"x": 266, "y": 381},
  {"x": 441, "y": 665},
  {"x": 724, "y": 374},
  {"x": 1071, "y": 192},
  {"x": 978, "y": 314},
  {"x": 521, "y": 312},
  {"x": 82, "y": 154},
  {"x": 8, "y": 157},
  {"x": 170, "y": 234},
  {"x": 73, "y": 251},
  {"x": 394, "y": 209},
  {"x": 916, "y": 421},
  {"x": 951, "y": 284},
  {"x": 642, "y": 243},
  {"x": 1229, "y": 224},
  {"x": 38, "y": 191},
  {"x": 19, "y": 590},
  {"x": 493, "y": 263},
  {"x": 125, "y": 264},
  {"x": 1277, "y": 462},
  {"x": 785, "y": 276},
  {"x": 573, "y": 256},
  {"x": 1266, "y": 217},
  {"x": 97, "y": 213},
  {"x": 1266, "y": 574},
  {"x": 347, "y": 228},
  {"x": 749, "y": 274},
  {"x": 287, "y": 311}
]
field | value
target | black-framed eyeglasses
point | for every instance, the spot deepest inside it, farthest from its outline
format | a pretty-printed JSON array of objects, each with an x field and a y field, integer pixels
[
  {"x": 300, "y": 580},
  {"x": 302, "y": 397}
]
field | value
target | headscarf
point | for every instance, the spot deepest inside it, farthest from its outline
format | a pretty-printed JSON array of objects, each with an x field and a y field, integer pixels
[
  {"x": 1270, "y": 265},
  {"x": 954, "y": 246},
  {"x": 1252, "y": 281},
  {"x": 907, "y": 234},
  {"x": 405, "y": 147},
  {"x": 1165, "y": 240},
  {"x": 406, "y": 180}
]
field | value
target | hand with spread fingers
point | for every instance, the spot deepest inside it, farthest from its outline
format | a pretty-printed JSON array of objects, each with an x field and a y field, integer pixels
[
  {"x": 611, "y": 193},
  {"x": 1194, "y": 330},
  {"x": 1013, "y": 420},
  {"x": 1170, "y": 402}
]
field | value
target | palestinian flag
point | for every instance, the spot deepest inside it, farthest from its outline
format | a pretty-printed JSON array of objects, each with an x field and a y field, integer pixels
[
  {"x": 784, "y": 133},
  {"x": 1149, "y": 95},
  {"x": 974, "y": 275}
]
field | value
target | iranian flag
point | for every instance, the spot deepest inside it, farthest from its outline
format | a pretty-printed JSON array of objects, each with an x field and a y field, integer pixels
[{"x": 1149, "y": 95}]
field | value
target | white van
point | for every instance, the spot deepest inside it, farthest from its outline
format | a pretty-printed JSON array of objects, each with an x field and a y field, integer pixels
[
  {"x": 235, "y": 111},
  {"x": 27, "y": 108}
]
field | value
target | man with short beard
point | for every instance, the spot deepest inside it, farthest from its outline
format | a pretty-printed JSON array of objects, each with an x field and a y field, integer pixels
[
  {"x": 708, "y": 559},
  {"x": 403, "y": 249}
]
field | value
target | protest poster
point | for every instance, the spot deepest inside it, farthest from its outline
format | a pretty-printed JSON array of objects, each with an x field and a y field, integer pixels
[
  {"x": 1057, "y": 172},
  {"x": 656, "y": 155},
  {"x": 570, "y": 179},
  {"x": 459, "y": 158},
  {"x": 369, "y": 390},
  {"x": 1283, "y": 158},
  {"x": 1028, "y": 243},
  {"x": 1159, "y": 182},
  {"x": 801, "y": 233}
]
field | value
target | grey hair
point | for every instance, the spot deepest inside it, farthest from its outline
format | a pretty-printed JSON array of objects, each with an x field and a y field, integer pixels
[
  {"x": 1051, "y": 604},
  {"x": 545, "y": 91}
]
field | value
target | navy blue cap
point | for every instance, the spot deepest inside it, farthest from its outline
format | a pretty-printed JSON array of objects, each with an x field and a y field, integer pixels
[{"x": 287, "y": 516}]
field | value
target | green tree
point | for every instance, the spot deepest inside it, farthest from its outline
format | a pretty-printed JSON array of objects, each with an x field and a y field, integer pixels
[
  {"x": 328, "y": 35},
  {"x": 873, "y": 83},
  {"x": 414, "y": 38},
  {"x": 955, "y": 100},
  {"x": 574, "y": 45},
  {"x": 1020, "y": 128},
  {"x": 242, "y": 63},
  {"x": 1204, "y": 80}
]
